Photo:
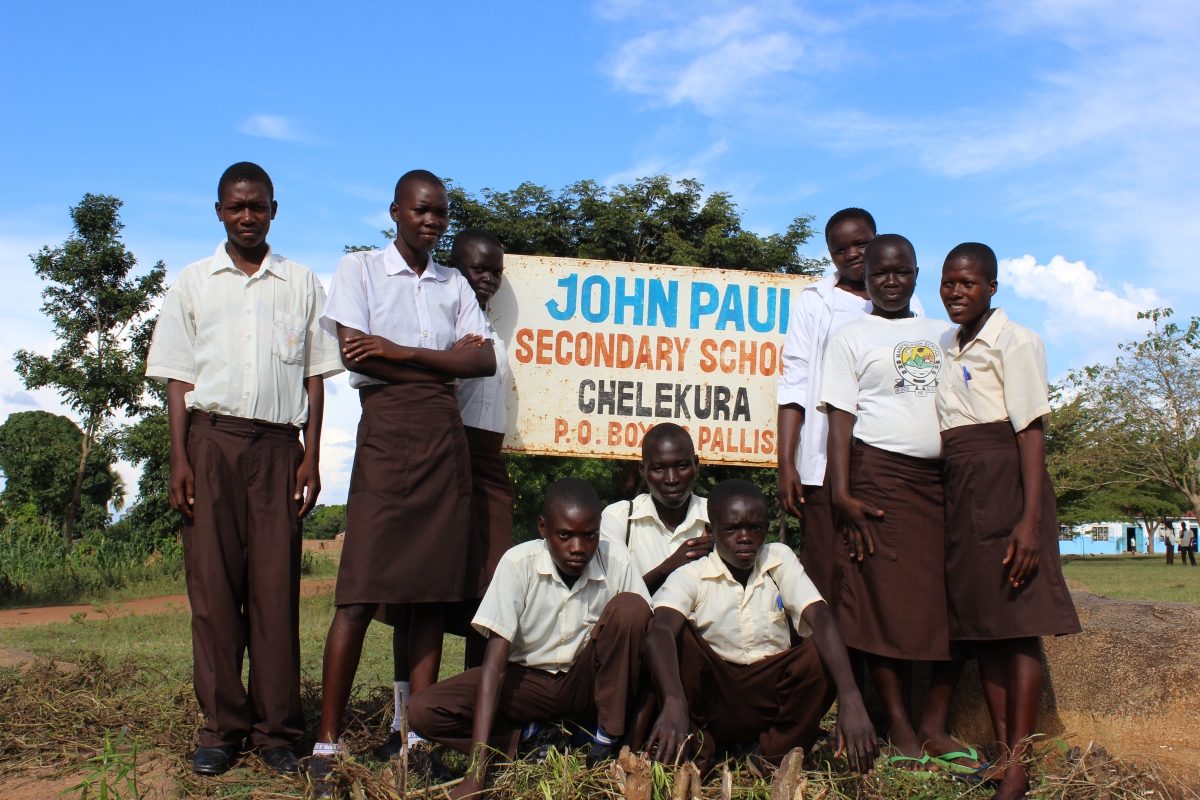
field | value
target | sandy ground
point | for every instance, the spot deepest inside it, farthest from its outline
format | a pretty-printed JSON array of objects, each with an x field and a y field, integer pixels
[{"x": 17, "y": 617}]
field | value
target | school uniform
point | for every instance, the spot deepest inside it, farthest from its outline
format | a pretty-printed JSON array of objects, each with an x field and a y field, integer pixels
[
  {"x": 636, "y": 525},
  {"x": 743, "y": 679},
  {"x": 886, "y": 372},
  {"x": 247, "y": 344},
  {"x": 994, "y": 388},
  {"x": 409, "y": 508},
  {"x": 576, "y": 651},
  {"x": 819, "y": 310}
]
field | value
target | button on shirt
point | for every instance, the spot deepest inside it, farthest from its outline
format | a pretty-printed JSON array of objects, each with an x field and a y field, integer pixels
[
  {"x": 1006, "y": 363},
  {"x": 376, "y": 292},
  {"x": 820, "y": 309},
  {"x": 483, "y": 401},
  {"x": 650, "y": 541},
  {"x": 548, "y": 622},
  {"x": 742, "y": 625},
  {"x": 246, "y": 343}
]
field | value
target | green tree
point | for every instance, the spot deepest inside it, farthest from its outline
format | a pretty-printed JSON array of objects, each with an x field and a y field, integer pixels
[
  {"x": 325, "y": 522},
  {"x": 101, "y": 316},
  {"x": 1130, "y": 436},
  {"x": 148, "y": 442},
  {"x": 39, "y": 455}
]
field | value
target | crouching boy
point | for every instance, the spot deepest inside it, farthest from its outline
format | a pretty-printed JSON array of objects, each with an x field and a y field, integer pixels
[
  {"x": 720, "y": 649},
  {"x": 566, "y": 619}
]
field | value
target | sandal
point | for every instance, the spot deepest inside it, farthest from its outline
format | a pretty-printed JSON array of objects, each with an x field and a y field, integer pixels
[
  {"x": 949, "y": 761},
  {"x": 922, "y": 762}
]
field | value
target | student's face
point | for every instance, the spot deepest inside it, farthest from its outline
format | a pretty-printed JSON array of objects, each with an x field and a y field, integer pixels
[
  {"x": 246, "y": 210},
  {"x": 483, "y": 266},
  {"x": 670, "y": 471},
  {"x": 422, "y": 214},
  {"x": 848, "y": 242},
  {"x": 966, "y": 291},
  {"x": 739, "y": 528},
  {"x": 572, "y": 535},
  {"x": 891, "y": 277}
]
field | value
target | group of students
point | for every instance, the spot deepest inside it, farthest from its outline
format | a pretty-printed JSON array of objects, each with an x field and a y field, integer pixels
[{"x": 911, "y": 449}]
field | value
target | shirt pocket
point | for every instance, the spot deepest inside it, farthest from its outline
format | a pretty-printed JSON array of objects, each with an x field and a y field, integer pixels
[{"x": 287, "y": 338}]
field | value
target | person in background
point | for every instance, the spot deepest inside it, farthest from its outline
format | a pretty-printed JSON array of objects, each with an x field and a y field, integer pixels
[
  {"x": 1187, "y": 544},
  {"x": 1168, "y": 538}
]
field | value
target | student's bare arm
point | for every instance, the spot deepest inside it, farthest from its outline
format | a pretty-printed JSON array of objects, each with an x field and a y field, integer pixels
[
  {"x": 487, "y": 701},
  {"x": 181, "y": 491},
  {"x": 383, "y": 369},
  {"x": 308, "y": 475},
  {"x": 458, "y": 362},
  {"x": 791, "y": 491},
  {"x": 686, "y": 553},
  {"x": 854, "y": 512},
  {"x": 674, "y": 724},
  {"x": 855, "y": 731},
  {"x": 1024, "y": 544}
]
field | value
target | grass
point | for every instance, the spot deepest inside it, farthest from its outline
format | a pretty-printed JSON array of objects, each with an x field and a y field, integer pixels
[{"x": 1136, "y": 577}]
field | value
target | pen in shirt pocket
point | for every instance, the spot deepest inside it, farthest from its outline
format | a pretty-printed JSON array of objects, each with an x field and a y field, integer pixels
[{"x": 966, "y": 378}]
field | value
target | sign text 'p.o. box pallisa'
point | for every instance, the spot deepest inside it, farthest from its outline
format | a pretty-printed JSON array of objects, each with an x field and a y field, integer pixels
[{"x": 600, "y": 351}]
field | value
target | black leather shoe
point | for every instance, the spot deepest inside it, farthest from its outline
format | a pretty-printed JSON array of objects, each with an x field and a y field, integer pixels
[
  {"x": 391, "y": 748},
  {"x": 424, "y": 760},
  {"x": 281, "y": 760},
  {"x": 537, "y": 747},
  {"x": 600, "y": 753},
  {"x": 213, "y": 760},
  {"x": 319, "y": 769}
]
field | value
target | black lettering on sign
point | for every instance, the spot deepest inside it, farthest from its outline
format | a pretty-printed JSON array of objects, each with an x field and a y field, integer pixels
[
  {"x": 588, "y": 406},
  {"x": 706, "y": 412},
  {"x": 681, "y": 393},
  {"x": 624, "y": 398},
  {"x": 721, "y": 403},
  {"x": 608, "y": 398},
  {"x": 642, "y": 411},
  {"x": 741, "y": 405},
  {"x": 662, "y": 400}
]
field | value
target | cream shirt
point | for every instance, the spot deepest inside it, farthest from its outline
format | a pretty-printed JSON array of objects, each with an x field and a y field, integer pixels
[
  {"x": 246, "y": 343},
  {"x": 820, "y": 309},
  {"x": 742, "y": 625},
  {"x": 1006, "y": 365},
  {"x": 548, "y": 622},
  {"x": 886, "y": 372},
  {"x": 483, "y": 401},
  {"x": 650, "y": 541},
  {"x": 376, "y": 292}
]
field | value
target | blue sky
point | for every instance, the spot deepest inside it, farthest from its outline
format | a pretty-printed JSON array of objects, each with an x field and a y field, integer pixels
[{"x": 1062, "y": 132}]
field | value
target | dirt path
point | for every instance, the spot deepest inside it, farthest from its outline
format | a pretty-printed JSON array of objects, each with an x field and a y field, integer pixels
[{"x": 19, "y": 617}]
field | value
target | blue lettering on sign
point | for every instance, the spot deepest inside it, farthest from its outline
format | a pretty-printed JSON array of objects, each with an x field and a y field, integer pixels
[
  {"x": 707, "y": 307},
  {"x": 667, "y": 303},
  {"x": 785, "y": 308},
  {"x": 762, "y": 327},
  {"x": 731, "y": 309},
  {"x": 571, "y": 282},
  {"x": 636, "y": 301},
  {"x": 585, "y": 303}
]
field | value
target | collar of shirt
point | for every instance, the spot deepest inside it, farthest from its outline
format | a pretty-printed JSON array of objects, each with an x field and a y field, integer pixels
[
  {"x": 644, "y": 508},
  {"x": 270, "y": 263},
  {"x": 546, "y": 566},
  {"x": 394, "y": 264},
  {"x": 715, "y": 568},
  {"x": 987, "y": 334}
]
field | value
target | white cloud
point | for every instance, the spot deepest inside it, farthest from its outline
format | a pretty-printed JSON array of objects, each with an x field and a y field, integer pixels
[
  {"x": 1078, "y": 306},
  {"x": 271, "y": 126}
]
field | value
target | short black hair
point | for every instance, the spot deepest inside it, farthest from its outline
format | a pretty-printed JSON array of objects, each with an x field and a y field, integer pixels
[
  {"x": 664, "y": 431},
  {"x": 845, "y": 214},
  {"x": 981, "y": 254},
  {"x": 242, "y": 172},
  {"x": 422, "y": 176},
  {"x": 888, "y": 240},
  {"x": 469, "y": 236},
  {"x": 732, "y": 489},
  {"x": 571, "y": 493}
]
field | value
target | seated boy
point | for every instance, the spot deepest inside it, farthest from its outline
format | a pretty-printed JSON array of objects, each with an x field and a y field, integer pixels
[
  {"x": 664, "y": 527},
  {"x": 720, "y": 649},
  {"x": 566, "y": 619}
]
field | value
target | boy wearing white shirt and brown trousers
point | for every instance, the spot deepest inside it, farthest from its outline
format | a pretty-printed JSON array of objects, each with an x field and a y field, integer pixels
[
  {"x": 566, "y": 618},
  {"x": 721, "y": 653},
  {"x": 239, "y": 345}
]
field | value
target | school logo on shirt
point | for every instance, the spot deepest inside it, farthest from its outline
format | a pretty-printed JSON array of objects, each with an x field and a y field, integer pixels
[{"x": 918, "y": 364}]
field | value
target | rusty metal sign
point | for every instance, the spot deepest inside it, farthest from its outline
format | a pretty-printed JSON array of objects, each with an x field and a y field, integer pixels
[{"x": 600, "y": 351}]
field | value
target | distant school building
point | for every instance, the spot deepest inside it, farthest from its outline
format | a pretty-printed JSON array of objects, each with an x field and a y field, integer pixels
[{"x": 1109, "y": 538}]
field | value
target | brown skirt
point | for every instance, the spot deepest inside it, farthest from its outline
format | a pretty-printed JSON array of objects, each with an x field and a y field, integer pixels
[
  {"x": 492, "y": 498},
  {"x": 820, "y": 540},
  {"x": 984, "y": 502},
  {"x": 409, "y": 511},
  {"x": 893, "y": 603}
]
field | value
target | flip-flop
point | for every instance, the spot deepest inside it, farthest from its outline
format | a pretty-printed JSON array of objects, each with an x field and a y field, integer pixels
[
  {"x": 923, "y": 762},
  {"x": 949, "y": 762}
]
